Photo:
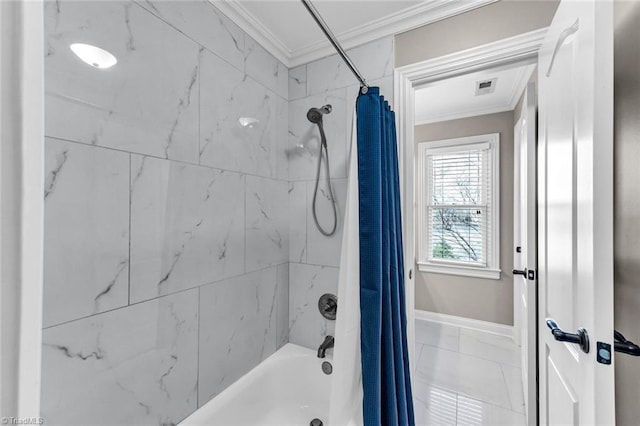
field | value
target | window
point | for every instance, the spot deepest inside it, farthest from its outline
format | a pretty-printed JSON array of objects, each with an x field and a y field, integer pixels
[{"x": 458, "y": 195}]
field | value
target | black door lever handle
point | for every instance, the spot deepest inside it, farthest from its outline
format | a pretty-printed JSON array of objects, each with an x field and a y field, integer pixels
[
  {"x": 581, "y": 338},
  {"x": 623, "y": 345},
  {"x": 519, "y": 272}
]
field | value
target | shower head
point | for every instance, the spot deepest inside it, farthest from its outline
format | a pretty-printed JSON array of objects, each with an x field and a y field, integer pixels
[{"x": 314, "y": 115}]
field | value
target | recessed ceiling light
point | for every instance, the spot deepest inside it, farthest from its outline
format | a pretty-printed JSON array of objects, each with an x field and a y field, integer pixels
[{"x": 93, "y": 55}]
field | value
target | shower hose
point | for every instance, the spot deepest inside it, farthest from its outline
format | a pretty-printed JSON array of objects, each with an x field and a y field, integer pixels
[{"x": 324, "y": 151}]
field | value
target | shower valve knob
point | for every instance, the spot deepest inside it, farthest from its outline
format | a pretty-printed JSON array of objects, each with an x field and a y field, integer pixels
[{"x": 328, "y": 306}]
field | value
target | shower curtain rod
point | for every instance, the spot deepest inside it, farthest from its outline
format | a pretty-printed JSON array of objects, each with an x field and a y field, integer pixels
[{"x": 364, "y": 87}]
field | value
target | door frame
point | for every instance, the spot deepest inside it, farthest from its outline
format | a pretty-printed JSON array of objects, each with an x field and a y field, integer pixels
[
  {"x": 406, "y": 79},
  {"x": 21, "y": 206},
  {"x": 527, "y": 260}
]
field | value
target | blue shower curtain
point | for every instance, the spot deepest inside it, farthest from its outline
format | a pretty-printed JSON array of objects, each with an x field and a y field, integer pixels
[{"x": 385, "y": 357}]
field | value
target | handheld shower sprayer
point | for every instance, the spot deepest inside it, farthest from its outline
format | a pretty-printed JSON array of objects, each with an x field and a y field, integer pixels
[{"x": 314, "y": 115}]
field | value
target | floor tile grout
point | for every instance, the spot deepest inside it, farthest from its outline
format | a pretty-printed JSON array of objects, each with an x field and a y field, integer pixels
[{"x": 482, "y": 357}]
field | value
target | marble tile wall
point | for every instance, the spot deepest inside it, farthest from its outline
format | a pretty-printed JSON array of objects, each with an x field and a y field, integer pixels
[
  {"x": 315, "y": 259},
  {"x": 166, "y": 233}
]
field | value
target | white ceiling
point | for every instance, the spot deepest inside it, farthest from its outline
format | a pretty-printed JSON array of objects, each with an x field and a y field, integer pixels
[
  {"x": 286, "y": 30},
  {"x": 455, "y": 97}
]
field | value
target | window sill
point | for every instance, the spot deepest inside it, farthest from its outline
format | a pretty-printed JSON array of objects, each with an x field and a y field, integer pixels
[{"x": 465, "y": 271}]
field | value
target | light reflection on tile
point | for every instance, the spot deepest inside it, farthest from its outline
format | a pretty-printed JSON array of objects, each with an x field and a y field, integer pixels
[
  {"x": 483, "y": 391},
  {"x": 227, "y": 142},
  {"x": 472, "y": 412},
  {"x": 121, "y": 107},
  {"x": 434, "y": 406}
]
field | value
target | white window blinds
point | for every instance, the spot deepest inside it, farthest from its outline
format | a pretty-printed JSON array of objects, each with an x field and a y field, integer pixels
[{"x": 458, "y": 204}]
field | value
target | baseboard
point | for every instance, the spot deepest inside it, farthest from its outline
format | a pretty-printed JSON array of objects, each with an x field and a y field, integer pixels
[{"x": 474, "y": 324}]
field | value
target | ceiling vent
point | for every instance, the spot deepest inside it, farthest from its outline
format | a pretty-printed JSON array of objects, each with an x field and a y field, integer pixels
[{"x": 484, "y": 87}]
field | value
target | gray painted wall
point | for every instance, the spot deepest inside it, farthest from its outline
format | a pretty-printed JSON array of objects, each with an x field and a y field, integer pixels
[
  {"x": 484, "y": 25},
  {"x": 483, "y": 299},
  {"x": 627, "y": 204}
]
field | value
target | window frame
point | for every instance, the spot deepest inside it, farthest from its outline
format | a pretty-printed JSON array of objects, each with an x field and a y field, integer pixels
[{"x": 492, "y": 269}]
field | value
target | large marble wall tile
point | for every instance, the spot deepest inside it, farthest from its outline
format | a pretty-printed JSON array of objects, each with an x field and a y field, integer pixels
[
  {"x": 306, "y": 284},
  {"x": 282, "y": 135},
  {"x": 187, "y": 226},
  {"x": 304, "y": 136},
  {"x": 147, "y": 103},
  {"x": 298, "y": 82},
  {"x": 263, "y": 67},
  {"x": 237, "y": 329},
  {"x": 86, "y": 230},
  {"x": 298, "y": 205},
  {"x": 202, "y": 22},
  {"x": 267, "y": 232},
  {"x": 374, "y": 60},
  {"x": 283, "y": 81},
  {"x": 323, "y": 250},
  {"x": 135, "y": 365},
  {"x": 227, "y": 95},
  {"x": 282, "y": 305}
]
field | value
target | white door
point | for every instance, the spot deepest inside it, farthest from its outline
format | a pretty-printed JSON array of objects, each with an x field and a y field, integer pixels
[
  {"x": 575, "y": 216},
  {"x": 524, "y": 256}
]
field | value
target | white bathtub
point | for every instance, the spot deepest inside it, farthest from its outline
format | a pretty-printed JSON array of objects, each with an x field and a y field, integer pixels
[{"x": 288, "y": 388}]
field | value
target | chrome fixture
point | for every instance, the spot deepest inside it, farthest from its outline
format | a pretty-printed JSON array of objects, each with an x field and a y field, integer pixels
[
  {"x": 326, "y": 344},
  {"x": 314, "y": 115},
  {"x": 364, "y": 87}
]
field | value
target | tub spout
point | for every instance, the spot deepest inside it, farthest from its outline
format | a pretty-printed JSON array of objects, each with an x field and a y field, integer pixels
[{"x": 328, "y": 343}]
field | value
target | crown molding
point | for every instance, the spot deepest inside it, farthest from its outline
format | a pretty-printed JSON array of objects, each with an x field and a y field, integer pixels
[{"x": 404, "y": 20}]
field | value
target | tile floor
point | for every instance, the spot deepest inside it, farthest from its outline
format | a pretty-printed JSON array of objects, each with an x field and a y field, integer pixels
[{"x": 466, "y": 377}]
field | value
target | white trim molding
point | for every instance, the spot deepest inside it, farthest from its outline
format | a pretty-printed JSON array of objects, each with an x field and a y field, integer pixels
[
  {"x": 462, "y": 322},
  {"x": 407, "y": 19},
  {"x": 491, "y": 268},
  {"x": 21, "y": 207},
  {"x": 521, "y": 48}
]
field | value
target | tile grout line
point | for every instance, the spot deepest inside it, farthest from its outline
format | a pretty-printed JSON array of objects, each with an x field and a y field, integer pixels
[
  {"x": 130, "y": 209},
  {"x": 187, "y": 163},
  {"x": 163, "y": 295},
  {"x": 506, "y": 387},
  {"x": 198, "y": 355}
]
